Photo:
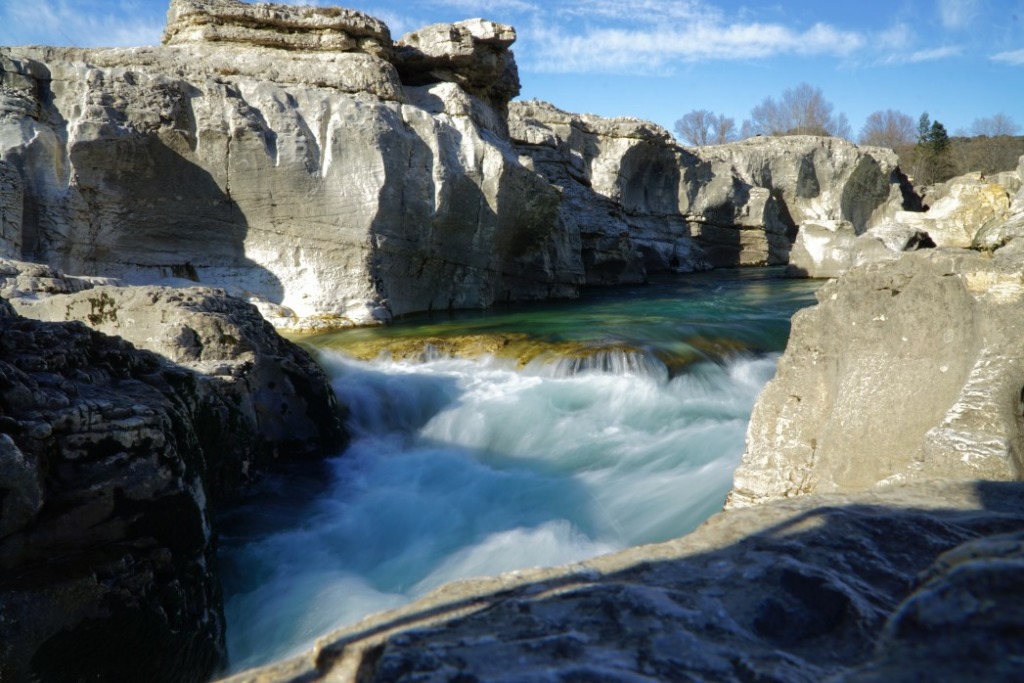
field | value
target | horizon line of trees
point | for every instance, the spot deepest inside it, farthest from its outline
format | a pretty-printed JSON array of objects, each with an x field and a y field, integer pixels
[{"x": 926, "y": 150}]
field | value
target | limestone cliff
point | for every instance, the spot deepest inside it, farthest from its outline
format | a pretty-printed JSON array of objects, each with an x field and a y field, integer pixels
[
  {"x": 637, "y": 203},
  {"x": 275, "y": 150},
  {"x": 301, "y": 159}
]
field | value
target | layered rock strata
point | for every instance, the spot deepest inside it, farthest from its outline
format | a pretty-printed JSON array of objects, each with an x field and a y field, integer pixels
[
  {"x": 248, "y": 154},
  {"x": 113, "y": 458},
  {"x": 299, "y": 158},
  {"x": 866, "y": 587}
]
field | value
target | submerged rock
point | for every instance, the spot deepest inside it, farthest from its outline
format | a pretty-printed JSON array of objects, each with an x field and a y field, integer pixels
[{"x": 794, "y": 590}]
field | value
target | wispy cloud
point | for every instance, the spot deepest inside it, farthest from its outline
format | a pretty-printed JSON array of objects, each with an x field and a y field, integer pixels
[
  {"x": 485, "y": 7},
  {"x": 82, "y": 24},
  {"x": 649, "y": 11},
  {"x": 935, "y": 53},
  {"x": 956, "y": 14},
  {"x": 657, "y": 49},
  {"x": 1013, "y": 57}
]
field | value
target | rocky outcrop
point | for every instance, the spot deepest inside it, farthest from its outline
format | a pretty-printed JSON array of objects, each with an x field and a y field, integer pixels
[
  {"x": 473, "y": 54},
  {"x": 796, "y": 590},
  {"x": 112, "y": 460},
  {"x": 249, "y": 152},
  {"x": 275, "y": 390},
  {"x": 820, "y": 178},
  {"x": 962, "y": 207},
  {"x": 619, "y": 183},
  {"x": 304, "y": 28},
  {"x": 905, "y": 371},
  {"x": 105, "y": 540},
  {"x": 826, "y": 249},
  {"x": 640, "y": 204}
]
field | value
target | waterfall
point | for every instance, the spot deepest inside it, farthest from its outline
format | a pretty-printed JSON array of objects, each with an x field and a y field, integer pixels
[{"x": 466, "y": 467}]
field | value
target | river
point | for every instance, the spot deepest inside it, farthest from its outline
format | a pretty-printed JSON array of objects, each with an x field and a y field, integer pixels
[{"x": 597, "y": 424}]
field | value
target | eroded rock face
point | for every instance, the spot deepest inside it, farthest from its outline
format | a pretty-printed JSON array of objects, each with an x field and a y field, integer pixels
[
  {"x": 964, "y": 205},
  {"x": 281, "y": 403},
  {"x": 819, "y": 178},
  {"x": 112, "y": 458},
  {"x": 619, "y": 181},
  {"x": 826, "y": 249},
  {"x": 474, "y": 54},
  {"x": 250, "y": 152},
  {"x": 106, "y": 547},
  {"x": 905, "y": 371},
  {"x": 794, "y": 590}
]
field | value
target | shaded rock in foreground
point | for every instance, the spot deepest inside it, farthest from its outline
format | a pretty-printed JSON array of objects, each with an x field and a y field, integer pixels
[
  {"x": 792, "y": 591},
  {"x": 112, "y": 458}
]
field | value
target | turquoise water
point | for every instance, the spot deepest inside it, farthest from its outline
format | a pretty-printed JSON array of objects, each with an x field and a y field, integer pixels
[{"x": 467, "y": 467}]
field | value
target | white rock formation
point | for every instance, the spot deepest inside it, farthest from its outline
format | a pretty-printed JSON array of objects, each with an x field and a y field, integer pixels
[
  {"x": 906, "y": 371},
  {"x": 298, "y": 158},
  {"x": 965, "y": 205},
  {"x": 250, "y": 152}
]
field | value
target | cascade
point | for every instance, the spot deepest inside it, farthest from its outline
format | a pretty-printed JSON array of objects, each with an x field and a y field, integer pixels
[{"x": 474, "y": 466}]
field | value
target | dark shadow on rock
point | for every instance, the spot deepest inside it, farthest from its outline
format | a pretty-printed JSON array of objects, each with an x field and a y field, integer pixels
[
  {"x": 136, "y": 198},
  {"x": 112, "y": 461},
  {"x": 436, "y": 241},
  {"x": 799, "y": 590}
]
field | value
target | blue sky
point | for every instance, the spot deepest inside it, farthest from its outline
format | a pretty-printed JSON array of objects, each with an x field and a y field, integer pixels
[{"x": 959, "y": 60}]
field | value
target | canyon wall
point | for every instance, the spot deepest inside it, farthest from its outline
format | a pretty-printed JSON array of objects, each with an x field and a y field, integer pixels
[{"x": 303, "y": 160}]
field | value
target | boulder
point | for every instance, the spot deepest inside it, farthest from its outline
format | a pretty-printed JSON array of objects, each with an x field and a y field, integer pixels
[
  {"x": 903, "y": 371},
  {"x": 795, "y": 590}
]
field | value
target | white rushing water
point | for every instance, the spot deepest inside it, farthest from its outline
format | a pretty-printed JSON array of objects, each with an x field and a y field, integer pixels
[{"x": 464, "y": 468}]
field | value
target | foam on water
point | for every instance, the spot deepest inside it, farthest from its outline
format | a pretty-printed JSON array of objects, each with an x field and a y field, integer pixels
[{"x": 465, "y": 468}]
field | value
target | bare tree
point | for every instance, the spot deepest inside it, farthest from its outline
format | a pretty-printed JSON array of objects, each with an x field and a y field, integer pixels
[
  {"x": 995, "y": 126},
  {"x": 702, "y": 127},
  {"x": 992, "y": 151},
  {"x": 889, "y": 128},
  {"x": 726, "y": 131},
  {"x": 802, "y": 110}
]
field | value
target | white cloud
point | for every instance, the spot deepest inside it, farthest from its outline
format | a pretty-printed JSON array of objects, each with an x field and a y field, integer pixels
[
  {"x": 656, "y": 50},
  {"x": 934, "y": 54},
  {"x": 957, "y": 13},
  {"x": 1013, "y": 57}
]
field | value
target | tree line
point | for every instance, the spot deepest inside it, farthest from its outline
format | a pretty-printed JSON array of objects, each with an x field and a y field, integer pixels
[{"x": 926, "y": 150}]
